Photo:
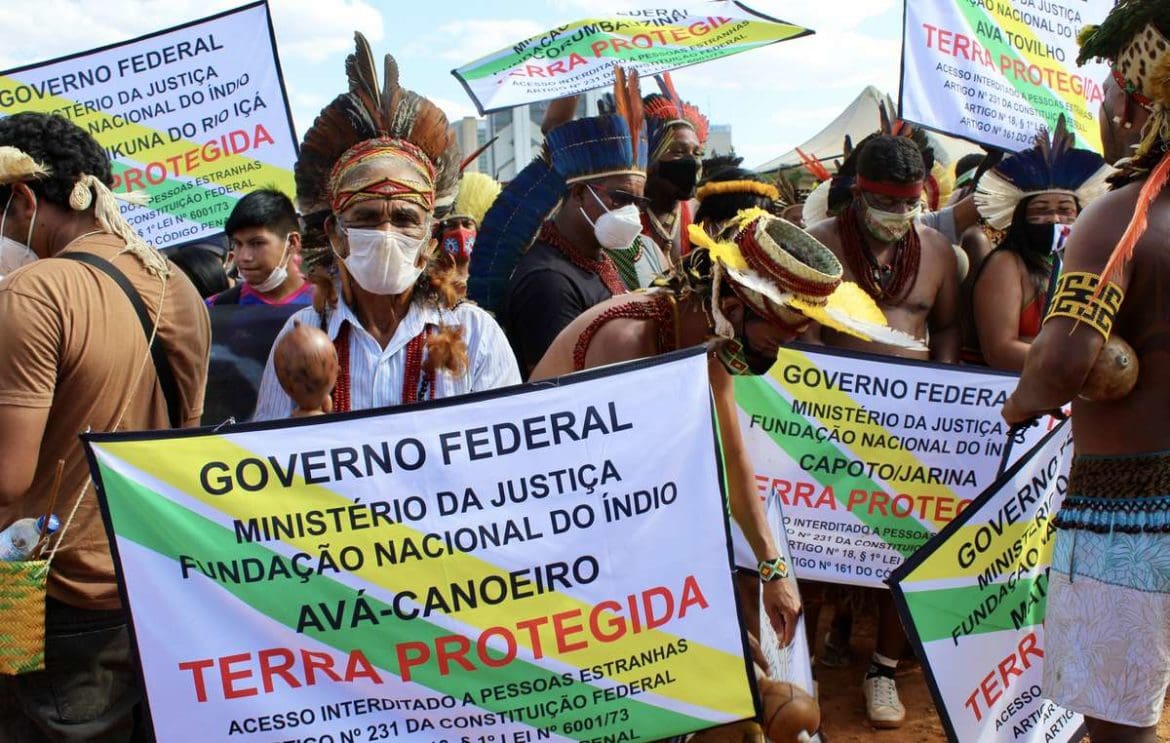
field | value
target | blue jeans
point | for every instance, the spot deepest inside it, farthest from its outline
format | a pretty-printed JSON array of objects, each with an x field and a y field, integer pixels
[{"x": 88, "y": 690}]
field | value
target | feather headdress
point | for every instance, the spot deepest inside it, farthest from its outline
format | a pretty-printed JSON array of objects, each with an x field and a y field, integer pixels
[
  {"x": 369, "y": 111},
  {"x": 772, "y": 264},
  {"x": 578, "y": 150},
  {"x": 1053, "y": 165},
  {"x": 666, "y": 110},
  {"x": 477, "y": 191}
]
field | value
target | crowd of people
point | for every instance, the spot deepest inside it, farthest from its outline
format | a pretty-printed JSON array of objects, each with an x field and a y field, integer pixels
[{"x": 618, "y": 242}]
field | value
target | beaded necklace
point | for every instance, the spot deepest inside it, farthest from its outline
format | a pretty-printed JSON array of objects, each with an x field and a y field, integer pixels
[
  {"x": 626, "y": 260},
  {"x": 884, "y": 282},
  {"x": 417, "y": 384},
  {"x": 661, "y": 309},
  {"x": 603, "y": 266}
]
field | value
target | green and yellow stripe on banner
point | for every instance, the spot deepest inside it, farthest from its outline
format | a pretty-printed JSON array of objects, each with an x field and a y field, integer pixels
[
  {"x": 159, "y": 524},
  {"x": 1015, "y": 65},
  {"x": 758, "y": 394},
  {"x": 179, "y": 472},
  {"x": 197, "y": 181}
]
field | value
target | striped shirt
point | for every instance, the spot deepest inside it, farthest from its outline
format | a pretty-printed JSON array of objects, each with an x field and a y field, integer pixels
[{"x": 376, "y": 373}]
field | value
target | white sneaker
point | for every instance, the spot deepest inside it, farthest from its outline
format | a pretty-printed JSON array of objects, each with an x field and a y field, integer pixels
[{"x": 882, "y": 706}]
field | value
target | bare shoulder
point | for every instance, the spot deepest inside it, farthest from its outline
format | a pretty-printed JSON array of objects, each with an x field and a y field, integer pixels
[
  {"x": 621, "y": 339},
  {"x": 1099, "y": 228},
  {"x": 935, "y": 243}
]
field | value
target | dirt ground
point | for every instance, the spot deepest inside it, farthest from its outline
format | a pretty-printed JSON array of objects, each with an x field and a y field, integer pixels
[{"x": 843, "y": 708}]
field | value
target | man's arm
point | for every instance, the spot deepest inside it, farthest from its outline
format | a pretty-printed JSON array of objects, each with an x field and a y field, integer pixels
[
  {"x": 559, "y": 111},
  {"x": 1062, "y": 355},
  {"x": 781, "y": 600},
  {"x": 944, "y": 314},
  {"x": 494, "y": 364},
  {"x": 31, "y": 336}
]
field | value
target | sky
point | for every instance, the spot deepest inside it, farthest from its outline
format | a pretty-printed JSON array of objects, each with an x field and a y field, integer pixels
[{"x": 774, "y": 98}]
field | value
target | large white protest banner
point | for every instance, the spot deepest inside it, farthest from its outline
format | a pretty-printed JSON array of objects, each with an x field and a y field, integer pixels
[
  {"x": 194, "y": 116},
  {"x": 545, "y": 562},
  {"x": 973, "y": 602},
  {"x": 581, "y": 55},
  {"x": 996, "y": 71},
  {"x": 870, "y": 455}
]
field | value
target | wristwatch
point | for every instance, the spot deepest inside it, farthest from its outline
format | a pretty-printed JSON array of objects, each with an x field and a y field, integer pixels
[{"x": 773, "y": 569}]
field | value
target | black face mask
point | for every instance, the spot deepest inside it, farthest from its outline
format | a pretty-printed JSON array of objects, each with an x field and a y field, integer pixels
[
  {"x": 683, "y": 174},
  {"x": 1040, "y": 238}
]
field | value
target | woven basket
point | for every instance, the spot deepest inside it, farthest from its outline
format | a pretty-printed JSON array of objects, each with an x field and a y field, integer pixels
[{"x": 22, "y": 607}]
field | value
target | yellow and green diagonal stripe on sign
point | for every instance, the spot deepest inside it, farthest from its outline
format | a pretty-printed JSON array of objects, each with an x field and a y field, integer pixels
[
  {"x": 628, "y": 40},
  {"x": 160, "y": 525},
  {"x": 179, "y": 470},
  {"x": 208, "y": 210},
  {"x": 1041, "y": 98}
]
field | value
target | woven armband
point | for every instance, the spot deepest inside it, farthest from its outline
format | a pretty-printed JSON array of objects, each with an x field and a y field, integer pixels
[
  {"x": 773, "y": 569},
  {"x": 1074, "y": 299}
]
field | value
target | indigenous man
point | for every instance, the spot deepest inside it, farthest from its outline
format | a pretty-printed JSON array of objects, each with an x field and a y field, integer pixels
[
  {"x": 909, "y": 270},
  {"x": 596, "y": 172},
  {"x": 370, "y": 189},
  {"x": 74, "y": 356},
  {"x": 676, "y": 133},
  {"x": 1107, "y": 635}
]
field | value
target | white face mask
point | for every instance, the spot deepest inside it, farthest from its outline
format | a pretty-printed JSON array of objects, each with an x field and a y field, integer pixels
[
  {"x": 617, "y": 228},
  {"x": 14, "y": 254},
  {"x": 383, "y": 262},
  {"x": 278, "y": 275}
]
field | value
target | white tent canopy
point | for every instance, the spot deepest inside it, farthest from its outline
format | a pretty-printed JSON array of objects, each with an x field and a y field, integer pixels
[{"x": 860, "y": 119}]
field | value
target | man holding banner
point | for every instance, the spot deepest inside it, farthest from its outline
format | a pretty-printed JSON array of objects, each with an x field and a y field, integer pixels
[
  {"x": 1108, "y": 653},
  {"x": 909, "y": 270}
]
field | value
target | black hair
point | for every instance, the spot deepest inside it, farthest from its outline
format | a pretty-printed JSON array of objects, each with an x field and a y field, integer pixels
[
  {"x": 722, "y": 207},
  {"x": 65, "y": 149},
  {"x": 891, "y": 159},
  {"x": 968, "y": 162},
  {"x": 267, "y": 207},
  {"x": 203, "y": 267}
]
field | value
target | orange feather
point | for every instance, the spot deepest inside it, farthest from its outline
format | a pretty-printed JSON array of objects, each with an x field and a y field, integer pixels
[
  {"x": 814, "y": 166},
  {"x": 1137, "y": 225}
]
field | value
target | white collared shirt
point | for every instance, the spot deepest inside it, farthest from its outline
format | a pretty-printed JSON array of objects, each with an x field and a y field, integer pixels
[{"x": 376, "y": 373}]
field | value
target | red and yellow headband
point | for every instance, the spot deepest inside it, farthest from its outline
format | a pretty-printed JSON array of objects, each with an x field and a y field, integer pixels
[
  {"x": 893, "y": 190},
  {"x": 349, "y": 184}
]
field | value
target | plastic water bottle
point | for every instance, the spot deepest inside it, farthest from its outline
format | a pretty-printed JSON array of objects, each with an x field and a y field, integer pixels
[{"x": 18, "y": 540}]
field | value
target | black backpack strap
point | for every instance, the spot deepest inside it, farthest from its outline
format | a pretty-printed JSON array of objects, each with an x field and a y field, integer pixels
[{"x": 162, "y": 367}]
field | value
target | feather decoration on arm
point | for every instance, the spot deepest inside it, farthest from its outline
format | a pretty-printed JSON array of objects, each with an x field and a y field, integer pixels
[{"x": 1121, "y": 255}]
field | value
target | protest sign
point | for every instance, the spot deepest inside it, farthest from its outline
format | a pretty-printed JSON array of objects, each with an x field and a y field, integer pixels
[
  {"x": 973, "y": 599},
  {"x": 194, "y": 116},
  {"x": 582, "y": 55},
  {"x": 546, "y": 562},
  {"x": 996, "y": 71},
  {"x": 870, "y": 455}
]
